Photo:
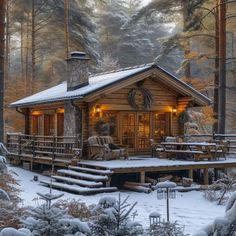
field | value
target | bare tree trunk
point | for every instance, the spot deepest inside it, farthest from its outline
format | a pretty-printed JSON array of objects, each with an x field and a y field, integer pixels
[
  {"x": 22, "y": 48},
  {"x": 187, "y": 49},
  {"x": 222, "y": 66},
  {"x": 2, "y": 47},
  {"x": 27, "y": 74},
  {"x": 33, "y": 69},
  {"x": 216, "y": 80},
  {"x": 66, "y": 23},
  {"x": 7, "y": 44}
]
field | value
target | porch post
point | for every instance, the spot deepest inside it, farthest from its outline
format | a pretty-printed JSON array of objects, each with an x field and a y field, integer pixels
[
  {"x": 206, "y": 180},
  {"x": 27, "y": 121},
  {"x": 142, "y": 176},
  {"x": 190, "y": 173}
]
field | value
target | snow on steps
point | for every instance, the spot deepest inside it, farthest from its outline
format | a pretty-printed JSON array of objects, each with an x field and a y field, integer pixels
[
  {"x": 90, "y": 170},
  {"x": 82, "y": 180},
  {"x": 91, "y": 165},
  {"x": 86, "y": 183},
  {"x": 78, "y": 189},
  {"x": 96, "y": 178}
]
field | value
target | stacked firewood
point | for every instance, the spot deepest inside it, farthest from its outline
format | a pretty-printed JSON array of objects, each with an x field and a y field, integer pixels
[
  {"x": 150, "y": 184},
  {"x": 147, "y": 187}
]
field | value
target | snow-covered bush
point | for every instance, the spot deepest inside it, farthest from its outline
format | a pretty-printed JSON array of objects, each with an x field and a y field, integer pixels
[
  {"x": 76, "y": 208},
  {"x": 10, "y": 214},
  {"x": 9, "y": 211},
  {"x": 76, "y": 227},
  {"x": 14, "y": 232},
  {"x": 168, "y": 229},
  {"x": 112, "y": 217},
  {"x": 46, "y": 219},
  {"x": 220, "y": 189},
  {"x": 4, "y": 196},
  {"x": 223, "y": 226},
  {"x": 50, "y": 219},
  {"x": 3, "y": 167}
]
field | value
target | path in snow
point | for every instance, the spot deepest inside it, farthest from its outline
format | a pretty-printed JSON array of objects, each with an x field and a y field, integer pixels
[{"x": 189, "y": 209}]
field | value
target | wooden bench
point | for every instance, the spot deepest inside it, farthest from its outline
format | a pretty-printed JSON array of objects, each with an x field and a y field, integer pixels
[
  {"x": 195, "y": 154},
  {"x": 199, "y": 151},
  {"x": 101, "y": 147}
]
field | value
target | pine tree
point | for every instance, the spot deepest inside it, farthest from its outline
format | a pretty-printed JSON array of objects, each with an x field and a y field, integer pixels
[
  {"x": 107, "y": 63},
  {"x": 112, "y": 217},
  {"x": 51, "y": 220},
  {"x": 45, "y": 220},
  {"x": 132, "y": 45},
  {"x": 168, "y": 228}
]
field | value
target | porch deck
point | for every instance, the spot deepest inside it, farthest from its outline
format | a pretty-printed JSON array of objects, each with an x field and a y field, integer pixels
[
  {"x": 136, "y": 164},
  {"x": 143, "y": 165}
]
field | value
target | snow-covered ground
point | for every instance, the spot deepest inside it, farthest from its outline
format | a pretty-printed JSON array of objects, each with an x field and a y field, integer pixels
[{"x": 189, "y": 209}]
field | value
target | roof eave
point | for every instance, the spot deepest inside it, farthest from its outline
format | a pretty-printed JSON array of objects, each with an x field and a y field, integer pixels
[
  {"x": 29, "y": 104},
  {"x": 199, "y": 98}
]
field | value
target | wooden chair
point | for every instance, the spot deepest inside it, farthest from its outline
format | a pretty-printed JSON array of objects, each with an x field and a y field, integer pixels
[
  {"x": 100, "y": 147},
  {"x": 222, "y": 149},
  {"x": 157, "y": 150}
]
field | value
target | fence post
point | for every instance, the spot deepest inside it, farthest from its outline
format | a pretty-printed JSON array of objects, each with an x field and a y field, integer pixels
[
  {"x": 19, "y": 145},
  {"x": 33, "y": 152},
  {"x": 53, "y": 147},
  {"x": 77, "y": 141},
  {"x": 8, "y": 143},
  {"x": 213, "y": 136},
  {"x": 33, "y": 146}
]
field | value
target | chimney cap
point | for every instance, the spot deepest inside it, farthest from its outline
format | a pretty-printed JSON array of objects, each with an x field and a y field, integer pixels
[{"x": 78, "y": 55}]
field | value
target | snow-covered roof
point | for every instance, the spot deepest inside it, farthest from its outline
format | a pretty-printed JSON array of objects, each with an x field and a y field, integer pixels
[{"x": 96, "y": 82}]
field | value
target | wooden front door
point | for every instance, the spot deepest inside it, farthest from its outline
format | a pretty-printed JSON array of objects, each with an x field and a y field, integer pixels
[
  {"x": 143, "y": 127},
  {"x": 135, "y": 131}
]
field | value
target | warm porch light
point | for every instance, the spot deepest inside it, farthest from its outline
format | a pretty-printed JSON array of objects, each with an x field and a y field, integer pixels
[
  {"x": 97, "y": 110},
  {"x": 36, "y": 113},
  {"x": 60, "y": 110},
  {"x": 174, "y": 111}
]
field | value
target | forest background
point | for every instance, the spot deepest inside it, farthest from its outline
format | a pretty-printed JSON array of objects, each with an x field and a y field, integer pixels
[{"x": 178, "y": 35}]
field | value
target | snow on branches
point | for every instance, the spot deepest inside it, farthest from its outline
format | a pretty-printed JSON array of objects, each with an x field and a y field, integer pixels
[
  {"x": 112, "y": 217},
  {"x": 220, "y": 188},
  {"x": 223, "y": 225}
]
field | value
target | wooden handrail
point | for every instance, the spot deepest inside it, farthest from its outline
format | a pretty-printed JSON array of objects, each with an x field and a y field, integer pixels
[{"x": 47, "y": 145}]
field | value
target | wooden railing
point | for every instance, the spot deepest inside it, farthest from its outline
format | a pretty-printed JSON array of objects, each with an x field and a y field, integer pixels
[
  {"x": 37, "y": 145},
  {"x": 231, "y": 138}
]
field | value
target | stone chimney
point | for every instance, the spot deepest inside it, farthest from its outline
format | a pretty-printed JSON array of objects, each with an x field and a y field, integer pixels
[{"x": 77, "y": 70}]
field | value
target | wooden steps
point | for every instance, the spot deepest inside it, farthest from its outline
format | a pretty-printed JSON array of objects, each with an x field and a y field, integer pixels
[
  {"x": 90, "y": 170},
  {"x": 91, "y": 166},
  {"x": 82, "y": 180},
  {"x": 81, "y": 175},
  {"x": 78, "y": 189}
]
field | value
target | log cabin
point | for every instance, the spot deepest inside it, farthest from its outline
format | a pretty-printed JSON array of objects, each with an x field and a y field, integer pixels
[{"x": 132, "y": 105}]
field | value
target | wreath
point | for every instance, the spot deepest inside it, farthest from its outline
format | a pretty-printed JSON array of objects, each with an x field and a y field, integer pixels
[
  {"x": 102, "y": 127},
  {"x": 147, "y": 98}
]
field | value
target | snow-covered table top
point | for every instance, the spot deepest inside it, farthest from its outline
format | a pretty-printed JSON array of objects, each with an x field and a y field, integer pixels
[{"x": 189, "y": 144}]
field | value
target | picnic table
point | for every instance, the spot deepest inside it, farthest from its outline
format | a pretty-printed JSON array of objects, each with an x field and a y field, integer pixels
[{"x": 195, "y": 150}]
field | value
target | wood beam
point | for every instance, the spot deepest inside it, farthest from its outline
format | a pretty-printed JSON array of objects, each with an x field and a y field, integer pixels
[
  {"x": 206, "y": 179},
  {"x": 190, "y": 173},
  {"x": 142, "y": 177}
]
